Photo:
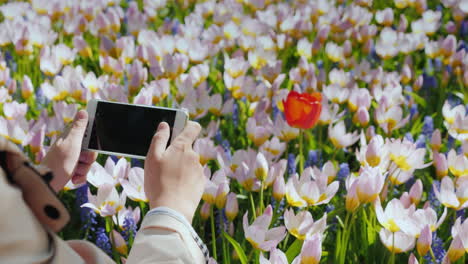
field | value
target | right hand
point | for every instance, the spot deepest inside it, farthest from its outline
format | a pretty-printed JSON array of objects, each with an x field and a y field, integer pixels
[{"x": 174, "y": 177}]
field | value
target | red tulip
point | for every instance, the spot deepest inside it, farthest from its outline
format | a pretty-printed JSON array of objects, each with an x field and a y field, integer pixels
[{"x": 302, "y": 110}]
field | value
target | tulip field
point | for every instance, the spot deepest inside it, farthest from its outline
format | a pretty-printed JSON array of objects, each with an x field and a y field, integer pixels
[{"x": 334, "y": 131}]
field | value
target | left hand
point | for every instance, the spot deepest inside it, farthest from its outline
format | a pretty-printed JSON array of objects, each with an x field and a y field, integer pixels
[{"x": 65, "y": 158}]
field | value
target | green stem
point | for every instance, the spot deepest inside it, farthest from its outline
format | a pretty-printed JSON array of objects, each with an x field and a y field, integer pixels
[
  {"x": 213, "y": 233},
  {"x": 285, "y": 242},
  {"x": 392, "y": 257},
  {"x": 225, "y": 255},
  {"x": 344, "y": 239},
  {"x": 253, "y": 206},
  {"x": 257, "y": 256},
  {"x": 432, "y": 255},
  {"x": 115, "y": 254},
  {"x": 261, "y": 197},
  {"x": 301, "y": 154},
  {"x": 143, "y": 208}
]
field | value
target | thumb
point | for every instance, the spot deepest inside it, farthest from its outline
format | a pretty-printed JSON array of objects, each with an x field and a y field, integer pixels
[
  {"x": 78, "y": 127},
  {"x": 159, "y": 142}
]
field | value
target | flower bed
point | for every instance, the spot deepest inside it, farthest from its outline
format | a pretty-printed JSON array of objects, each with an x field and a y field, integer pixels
[{"x": 334, "y": 131}]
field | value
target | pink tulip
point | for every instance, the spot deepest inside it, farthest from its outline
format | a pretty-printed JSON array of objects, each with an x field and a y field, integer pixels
[
  {"x": 406, "y": 74},
  {"x": 15, "y": 110},
  {"x": 336, "y": 94},
  {"x": 312, "y": 192},
  {"x": 27, "y": 87},
  {"x": 450, "y": 113},
  {"x": 406, "y": 158},
  {"x": 352, "y": 199},
  {"x": 134, "y": 187},
  {"x": 258, "y": 234},
  {"x": 107, "y": 202},
  {"x": 216, "y": 188},
  {"x": 50, "y": 63},
  {"x": 369, "y": 184},
  {"x": 119, "y": 242},
  {"x": 456, "y": 249},
  {"x": 125, "y": 47},
  {"x": 416, "y": 191},
  {"x": 232, "y": 207},
  {"x": 412, "y": 259},
  {"x": 279, "y": 188},
  {"x": 206, "y": 148},
  {"x": 396, "y": 242},
  {"x": 339, "y": 137},
  {"x": 362, "y": 117},
  {"x": 329, "y": 113},
  {"x": 418, "y": 83},
  {"x": 64, "y": 54},
  {"x": 273, "y": 148},
  {"x": 275, "y": 171},
  {"x": 424, "y": 241},
  {"x": 111, "y": 173},
  {"x": 65, "y": 111},
  {"x": 441, "y": 165},
  {"x": 390, "y": 119},
  {"x": 14, "y": 130},
  {"x": 311, "y": 250},
  {"x": 457, "y": 164},
  {"x": 447, "y": 195},
  {"x": 129, "y": 212},
  {"x": 303, "y": 225},
  {"x": 385, "y": 17},
  {"x": 35, "y": 138},
  {"x": 376, "y": 154},
  {"x": 259, "y": 131},
  {"x": 395, "y": 215},
  {"x": 329, "y": 170},
  {"x": 261, "y": 167},
  {"x": 205, "y": 211},
  {"x": 448, "y": 46},
  {"x": 460, "y": 230},
  {"x": 276, "y": 257},
  {"x": 283, "y": 131},
  {"x": 137, "y": 75},
  {"x": 359, "y": 97}
]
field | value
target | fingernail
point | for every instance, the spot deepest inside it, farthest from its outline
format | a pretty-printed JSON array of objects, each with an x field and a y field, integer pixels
[
  {"x": 161, "y": 126},
  {"x": 80, "y": 115}
]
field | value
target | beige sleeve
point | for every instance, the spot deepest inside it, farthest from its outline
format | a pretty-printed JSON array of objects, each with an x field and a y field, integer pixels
[
  {"x": 163, "y": 239},
  {"x": 24, "y": 240}
]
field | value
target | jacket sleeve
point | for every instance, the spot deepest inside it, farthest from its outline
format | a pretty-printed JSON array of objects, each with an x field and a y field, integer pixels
[
  {"x": 166, "y": 236},
  {"x": 24, "y": 240}
]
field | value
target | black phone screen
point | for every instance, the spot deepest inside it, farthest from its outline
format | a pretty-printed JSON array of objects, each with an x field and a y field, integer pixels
[{"x": 127, "y": 129}]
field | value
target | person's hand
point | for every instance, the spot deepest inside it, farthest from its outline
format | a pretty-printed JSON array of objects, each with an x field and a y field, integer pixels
[
  {"x": 174, "y": 177},
  {"x": 65, "y": 158}
]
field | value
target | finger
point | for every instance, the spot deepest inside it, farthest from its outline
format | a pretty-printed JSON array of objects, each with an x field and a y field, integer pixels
[
  {"x": 82, "y": 168},
  {"x": 160, "y": 139},
  {"x": 78, "y": 127},
  {"x": 189, "y": 134},
  {"x": 88, "y": 157},
  {"x": 78, "y": 179}
]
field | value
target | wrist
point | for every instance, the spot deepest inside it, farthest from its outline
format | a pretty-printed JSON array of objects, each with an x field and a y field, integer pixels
[{"x": 178, "y": 205}]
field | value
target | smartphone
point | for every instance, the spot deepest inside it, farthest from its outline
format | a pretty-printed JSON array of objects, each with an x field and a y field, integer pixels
[{"x": 127, "y": 130}]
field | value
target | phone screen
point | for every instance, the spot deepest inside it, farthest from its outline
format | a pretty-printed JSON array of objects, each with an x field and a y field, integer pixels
[{"x": 127, "y": 129}]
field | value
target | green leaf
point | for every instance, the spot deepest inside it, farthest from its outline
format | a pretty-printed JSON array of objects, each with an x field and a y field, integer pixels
[
  {"x": 421, "y": 101},
  {"x": 371, "y": 234},
  {"x": 294, "y": 250},
  {"x": 237, "y": 247}
]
